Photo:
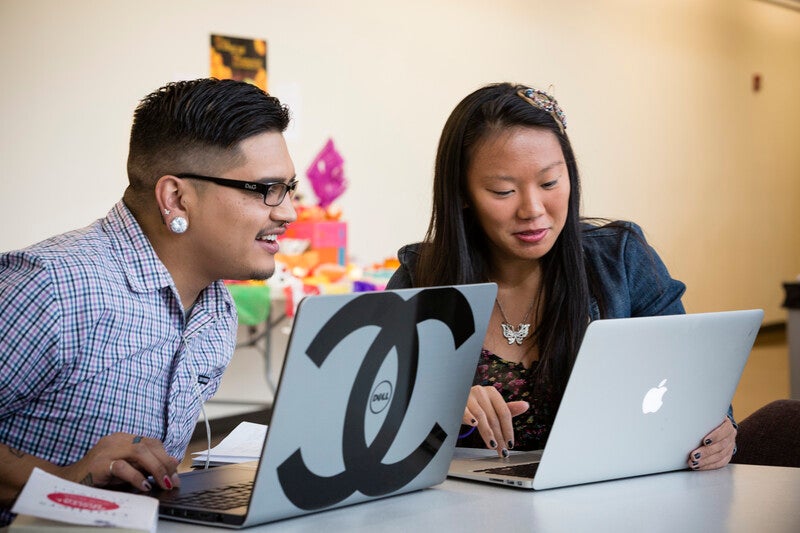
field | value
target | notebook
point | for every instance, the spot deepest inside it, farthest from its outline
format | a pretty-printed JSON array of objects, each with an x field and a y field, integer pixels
[
  {"x": 369, "y": 404},
  {"x": 642, "y": 394}
]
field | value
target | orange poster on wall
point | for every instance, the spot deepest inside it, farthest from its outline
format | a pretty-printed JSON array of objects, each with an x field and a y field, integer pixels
[{"x": 240, "y": 59}]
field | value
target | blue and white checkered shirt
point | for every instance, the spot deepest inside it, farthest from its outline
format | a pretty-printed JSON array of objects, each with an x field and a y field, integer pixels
[{"x": 93, "y": 340}]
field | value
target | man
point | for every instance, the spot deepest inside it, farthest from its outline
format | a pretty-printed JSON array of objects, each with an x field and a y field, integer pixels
[{"x": 112, "y": 336}]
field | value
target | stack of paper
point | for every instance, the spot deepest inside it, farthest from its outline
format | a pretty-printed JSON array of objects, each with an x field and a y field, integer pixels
[
  {"x": 241, "y": 445},
  {"x": 50, "y": 503}
]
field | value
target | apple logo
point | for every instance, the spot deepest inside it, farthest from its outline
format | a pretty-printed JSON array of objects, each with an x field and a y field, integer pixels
[{"x": 653, "y": 399}]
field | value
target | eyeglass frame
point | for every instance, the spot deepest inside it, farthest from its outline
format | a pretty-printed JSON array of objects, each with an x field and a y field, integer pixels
[{"x": 261, "y": 188}]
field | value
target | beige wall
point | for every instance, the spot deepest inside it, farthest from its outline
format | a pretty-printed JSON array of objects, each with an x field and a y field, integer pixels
[{"x": 658, "y": 95}]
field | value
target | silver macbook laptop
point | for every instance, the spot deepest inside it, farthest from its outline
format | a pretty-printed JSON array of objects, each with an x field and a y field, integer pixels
[
  {"x": 642, "y": 394},
  {"x": 369, "y": 405}
]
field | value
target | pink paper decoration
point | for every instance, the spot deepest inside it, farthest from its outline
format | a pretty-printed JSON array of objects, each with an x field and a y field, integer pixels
[{"x": 326, "y": 174}]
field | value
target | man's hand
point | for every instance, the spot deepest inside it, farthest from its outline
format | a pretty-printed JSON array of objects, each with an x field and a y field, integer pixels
[{"x": 127, "y": 458}]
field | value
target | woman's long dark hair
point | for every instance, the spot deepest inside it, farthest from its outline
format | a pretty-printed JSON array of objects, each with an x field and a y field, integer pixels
[{"x": 456, "y": 250}]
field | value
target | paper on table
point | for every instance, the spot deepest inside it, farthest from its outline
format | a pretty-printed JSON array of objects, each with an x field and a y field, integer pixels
[
  {"x": 242, "y": 444},
  {"x": 48, "y": 496}
]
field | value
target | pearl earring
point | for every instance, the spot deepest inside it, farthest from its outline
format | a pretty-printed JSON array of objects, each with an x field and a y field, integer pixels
[{"x": 178, "y": 225}]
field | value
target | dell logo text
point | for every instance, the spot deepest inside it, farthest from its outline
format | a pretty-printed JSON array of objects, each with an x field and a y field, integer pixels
[{"x": 380, "y": 397}]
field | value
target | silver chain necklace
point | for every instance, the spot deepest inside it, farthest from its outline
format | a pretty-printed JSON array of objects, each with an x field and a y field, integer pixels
[{"x": 521, "y": 332}]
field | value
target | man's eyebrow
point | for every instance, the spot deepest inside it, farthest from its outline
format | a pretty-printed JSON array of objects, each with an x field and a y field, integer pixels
[{"x": 270, "y": 180}]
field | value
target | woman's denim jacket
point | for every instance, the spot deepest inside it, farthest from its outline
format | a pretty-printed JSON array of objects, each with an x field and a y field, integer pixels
[
  {"x": 634, "y": 280},
  {"x": 631, "y": 275}
]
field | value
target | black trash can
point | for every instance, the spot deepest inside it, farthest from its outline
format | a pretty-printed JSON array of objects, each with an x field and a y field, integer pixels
[{"x": 792, "y": 303}]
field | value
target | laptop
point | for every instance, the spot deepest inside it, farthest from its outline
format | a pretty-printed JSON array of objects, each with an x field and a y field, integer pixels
[
  {"x": 642, "y": 394},
  {"x": 369, "y": 405}
]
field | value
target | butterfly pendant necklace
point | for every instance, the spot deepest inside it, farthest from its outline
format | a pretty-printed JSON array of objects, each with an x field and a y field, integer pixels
[{"x": 521, "y": 332}]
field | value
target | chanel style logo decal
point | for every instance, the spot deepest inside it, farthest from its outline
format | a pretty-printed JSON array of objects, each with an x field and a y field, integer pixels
[{"x": 364, "y": 469}]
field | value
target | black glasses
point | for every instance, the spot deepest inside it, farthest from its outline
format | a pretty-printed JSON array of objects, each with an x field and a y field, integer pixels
[{"x": 273, "y": 193}]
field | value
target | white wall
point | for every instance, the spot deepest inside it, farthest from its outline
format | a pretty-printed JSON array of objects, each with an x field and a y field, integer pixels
[{"x": 657, "y": 94}]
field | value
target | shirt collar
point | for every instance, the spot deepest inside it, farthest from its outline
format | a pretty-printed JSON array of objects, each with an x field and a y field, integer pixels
[{"x": 144, "y": 270}]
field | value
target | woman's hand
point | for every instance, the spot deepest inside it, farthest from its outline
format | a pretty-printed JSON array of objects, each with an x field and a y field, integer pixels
[
  {"x": 717, "y": 448},
  {"x": 128, "y": 458},
  {"x": 487, "y": 410}
]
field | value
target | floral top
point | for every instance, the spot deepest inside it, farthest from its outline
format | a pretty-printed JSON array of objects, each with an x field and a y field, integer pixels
[{"x": 515, "y": 382}]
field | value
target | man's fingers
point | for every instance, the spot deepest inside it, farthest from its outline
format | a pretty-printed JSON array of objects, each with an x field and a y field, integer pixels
[
  {"x": 122, "y": 470},
  {"x": 132, "y": 458},
  {"x": 148, "y": 455}
]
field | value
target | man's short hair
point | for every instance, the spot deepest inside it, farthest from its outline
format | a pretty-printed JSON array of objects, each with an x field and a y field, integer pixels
[{"x": 196, "y": 126}]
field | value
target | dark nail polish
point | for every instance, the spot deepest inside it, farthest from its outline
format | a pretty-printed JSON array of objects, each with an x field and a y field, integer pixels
[
  {"x": 510, "y": 445},
  {"x": 707, "y": 442},
  {"x": 146, "y": 486},
  {"x": 505, "y": 452},
  {"x": 492, "y": 444},
  {"x": 695, "y": 463},
  {"x": 473, "y": 421},
  {"x": 697, "y": 455},
  {"x": 695, "y": 467}
]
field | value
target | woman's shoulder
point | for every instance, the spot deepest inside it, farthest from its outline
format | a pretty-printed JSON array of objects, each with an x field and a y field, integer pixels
[
  {"x": 403, "y": 277},
  {"x": 409, "y": 255},
  {"x": 409, "y": 251},
  {"x": 600, "y": 227},
  {"x": 600, "y": 234},
  {"x": 617, "y": 241},
  {"x": 636, "y": 282}
]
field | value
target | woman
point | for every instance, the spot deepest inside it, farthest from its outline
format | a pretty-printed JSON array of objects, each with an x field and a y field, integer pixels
[{"x": 506, "y": 209}]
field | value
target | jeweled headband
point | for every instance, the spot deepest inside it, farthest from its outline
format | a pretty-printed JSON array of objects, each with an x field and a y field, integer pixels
[{"x": 545, "y": 102}]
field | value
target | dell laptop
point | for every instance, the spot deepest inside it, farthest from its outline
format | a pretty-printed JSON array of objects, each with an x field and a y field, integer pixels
[
  {"x": 369, "y": 404},
  {"x": 642, "y": 394}
]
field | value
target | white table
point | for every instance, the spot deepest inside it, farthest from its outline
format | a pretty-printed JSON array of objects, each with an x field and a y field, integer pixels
[{"x": 738, "y": 498}]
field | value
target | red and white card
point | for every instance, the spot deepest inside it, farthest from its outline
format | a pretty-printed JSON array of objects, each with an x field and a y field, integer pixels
[{"x": 52, "y": 498}]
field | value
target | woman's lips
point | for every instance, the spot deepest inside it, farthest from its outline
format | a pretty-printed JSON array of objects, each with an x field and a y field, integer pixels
[{"x": 532, "y": 236}]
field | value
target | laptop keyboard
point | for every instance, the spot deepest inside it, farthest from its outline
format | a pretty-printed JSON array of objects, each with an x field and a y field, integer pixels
[
  {"x": 228, "y": 497},
  {"x": 520, "y": 470}
]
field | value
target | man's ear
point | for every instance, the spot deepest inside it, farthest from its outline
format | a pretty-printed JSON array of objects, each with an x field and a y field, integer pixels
[{"x": 169, "y": 191}]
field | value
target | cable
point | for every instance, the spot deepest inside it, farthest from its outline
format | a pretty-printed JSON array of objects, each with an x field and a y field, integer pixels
[
  {"x": 208, "y": 434},
  {"x": 198, "y": 394},
  {"x": 468, "y": 433}
]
